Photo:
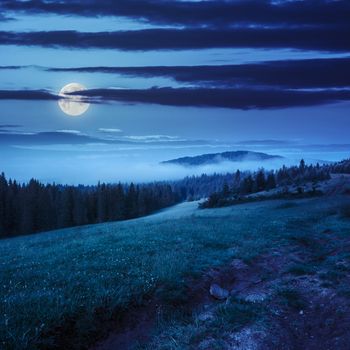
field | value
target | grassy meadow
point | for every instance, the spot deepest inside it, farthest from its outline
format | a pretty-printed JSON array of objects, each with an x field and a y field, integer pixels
[{"x": 74, "y": 281}]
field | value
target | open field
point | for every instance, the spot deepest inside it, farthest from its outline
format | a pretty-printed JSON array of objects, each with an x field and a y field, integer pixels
[{"x": 70, "y": 288}]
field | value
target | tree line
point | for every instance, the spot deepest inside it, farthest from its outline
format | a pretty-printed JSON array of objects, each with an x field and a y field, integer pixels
[
  {"x": 246, "y": 183},
  {"x": 34, "y": 207},
  {"x": 342, "y": 167}
]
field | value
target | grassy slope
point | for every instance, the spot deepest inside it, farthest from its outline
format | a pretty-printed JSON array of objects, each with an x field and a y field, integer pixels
[{"x": 47, "y": 278}]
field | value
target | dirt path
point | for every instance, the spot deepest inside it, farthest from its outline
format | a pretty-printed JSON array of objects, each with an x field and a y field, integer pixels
[{"x": 301, "y": 310}]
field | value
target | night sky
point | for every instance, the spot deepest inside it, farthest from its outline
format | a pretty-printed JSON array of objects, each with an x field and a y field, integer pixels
[{"x": 167, "y": 79}]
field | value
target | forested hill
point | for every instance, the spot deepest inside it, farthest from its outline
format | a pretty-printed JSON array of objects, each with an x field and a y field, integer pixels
[
  {"x": 248, "y": 182},
  {"x": 212, "y": 158}
]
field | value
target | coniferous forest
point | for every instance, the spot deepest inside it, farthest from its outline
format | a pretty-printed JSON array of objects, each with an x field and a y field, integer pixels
[{"x": 35, "y": 207}]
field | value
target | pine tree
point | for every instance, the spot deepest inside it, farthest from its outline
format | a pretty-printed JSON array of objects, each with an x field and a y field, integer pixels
[
  {"x": 225, "y": 190},
  {"x": 236, "y": 181},
  {"x": 271, "y": 181},
  {"x": 248, "y": 184},
  {"x": 260, "y": 181}
]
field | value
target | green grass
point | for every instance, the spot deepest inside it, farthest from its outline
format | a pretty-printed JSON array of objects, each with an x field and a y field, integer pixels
[
  {"x": 287, "y": 205},
  {"x": 74, "y": 281}
]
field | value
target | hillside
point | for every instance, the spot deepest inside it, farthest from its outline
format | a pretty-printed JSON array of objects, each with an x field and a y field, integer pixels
[
  {"x": 148, "y": 280},
  {"x": 213, "y": 158}
]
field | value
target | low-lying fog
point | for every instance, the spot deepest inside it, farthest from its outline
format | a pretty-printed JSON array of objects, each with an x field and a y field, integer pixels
[{"x": 63, "y": 165}]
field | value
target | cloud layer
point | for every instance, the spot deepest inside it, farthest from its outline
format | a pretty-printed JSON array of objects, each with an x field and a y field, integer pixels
[
  {"x": 199, "y": 97},
  {"x": 306, "y": 38},
  {"x": 197, "y": 13},
  {"x": 226, "y": 98},
  {"x": 309, "y": 73}
]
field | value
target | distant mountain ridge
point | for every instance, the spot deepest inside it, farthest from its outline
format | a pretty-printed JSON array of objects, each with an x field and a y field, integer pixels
[{"x": 215, "y": 158}]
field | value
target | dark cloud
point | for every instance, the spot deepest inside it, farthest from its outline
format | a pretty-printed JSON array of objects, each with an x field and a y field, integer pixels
[
  {"x": 335, "y": 39},
  {"x": 199, "y": 97},
  {"x": 11, "y": 67},
  {"x": 198, "y": 13},
  {"x": 226, "y": 98},
  {"x": 27, "y": 95},
  {"x": 312, "y": 73}
]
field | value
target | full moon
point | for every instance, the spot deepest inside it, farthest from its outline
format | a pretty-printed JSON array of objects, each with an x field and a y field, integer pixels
[{"x": 72, "y": 105}]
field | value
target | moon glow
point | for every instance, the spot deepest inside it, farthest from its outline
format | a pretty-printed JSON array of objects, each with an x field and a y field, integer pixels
[{"x": 72, "y": 105}]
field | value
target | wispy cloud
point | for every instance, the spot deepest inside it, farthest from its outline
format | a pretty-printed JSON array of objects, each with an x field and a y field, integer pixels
[
  {"x": 45, "y": 138},
  {"x": 9, "y": 126},
  {"x": 67, "y": 138},
  {"x": 267, "y": 143},
  {"x": 12, "y": 129}
]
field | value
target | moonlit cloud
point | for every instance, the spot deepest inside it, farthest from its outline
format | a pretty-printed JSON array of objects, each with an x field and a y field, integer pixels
[
  {"x": 153, "y": 138},
  {"x": 237, "y": 98},
  {"x": 74, "y": 132},
  {"x": 110, "y": 130},
  {"x": 232, "y": 98}
]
